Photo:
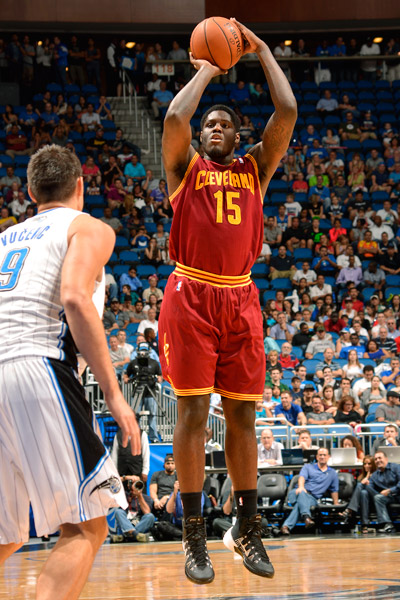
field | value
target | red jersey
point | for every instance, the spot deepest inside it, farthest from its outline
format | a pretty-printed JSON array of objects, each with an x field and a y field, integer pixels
[{"x": 218, "y": 217}]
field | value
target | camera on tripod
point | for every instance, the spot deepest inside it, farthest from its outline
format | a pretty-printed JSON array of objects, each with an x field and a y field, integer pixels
[{"x": 142, "y": 373}]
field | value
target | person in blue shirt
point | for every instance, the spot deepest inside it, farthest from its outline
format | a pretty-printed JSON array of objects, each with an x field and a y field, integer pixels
[
  {"x": 162, "y": 98},
  {"x": 384, "y": 486},
  {"x": 61, "y": 60},
  {"x": 130, "y": 278},
  {"x": 355, "y": 345},
  {"x": 316, "y": 148},
  {"x": 240, "y": 94},
  {"x": 28, "y": 118},
  {"x": 325, "y": 263},
  {"x": 320, "y": 189},
  {"x": 286, "y": 410},
  {"x": 315, "y": 480},
  {"x": 135, "y": 169},
  {"x": 337, "y": 49}
]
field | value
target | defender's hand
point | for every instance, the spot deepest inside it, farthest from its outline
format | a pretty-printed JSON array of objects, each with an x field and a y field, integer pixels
[{"x": 252, "y": 43}]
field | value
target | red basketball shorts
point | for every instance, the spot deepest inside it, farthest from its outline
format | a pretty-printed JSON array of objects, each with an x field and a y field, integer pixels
[{"x": 211, "y": 339}]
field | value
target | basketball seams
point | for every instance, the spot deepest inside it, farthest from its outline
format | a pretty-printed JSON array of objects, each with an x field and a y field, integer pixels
[
  {"x": 227, "y": 41},
  {"x": 206, "y": 41}
]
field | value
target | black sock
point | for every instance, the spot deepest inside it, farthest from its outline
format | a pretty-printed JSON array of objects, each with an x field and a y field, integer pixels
[
  {"x": 191, "y": 504},
  {"x": 246, "y": 502}
]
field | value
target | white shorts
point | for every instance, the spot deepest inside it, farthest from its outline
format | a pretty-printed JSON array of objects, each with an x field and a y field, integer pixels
[{"x": 51, "y": 454}]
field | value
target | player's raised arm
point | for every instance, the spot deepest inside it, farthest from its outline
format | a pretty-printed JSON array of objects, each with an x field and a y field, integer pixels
[
  {"x": 177, "y": 135},
  {"x": 83, "y": 265},
  {"x": 279, "y": 129}
]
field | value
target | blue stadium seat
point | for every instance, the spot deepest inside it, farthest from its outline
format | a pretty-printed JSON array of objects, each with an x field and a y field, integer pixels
[
  {"x": 379, "y": 195},
  {"x": 268, "y": 295},
  {"x": 310, "y": 364},
  {"x": 162, "y": 283},
  {"x": 364, "y": 85},
  {"x": 306, "y": 109},
  {"x": 109, "y": 136},
  {"x": 391, "y": 291},
  {"x": 331, "y": 120},
  {"x": 259, "y": 270},
  {"x": 302, "y": 253},
  {"x": 108, "y": 124},
  {"x": 250, "y": 110},
  {"x": 368, "y": 292},
  {"x": 384, "y": 95},
  {"x": 267, "y": 109},
  {"x": 262, "y": 284},
  {"x": 113, "y": 258},
  {"x": 308, "y": 86},
  {"x": 21, "y": 160},
  {"x": 145, "y": 270},
  {"x": 89, "y": 88},
  {"x": 276, "y": 185},
  {"x": 278, "y": 198},
  {"x": 72, "y": 88},
  {"x": 97, "y": 213},
  {"x": 352, "y": 144},
  {"x": 121, "y": 242},
  {"x": 384, "y": 107},
  {"x": 20, "y": 172},
  {"x": 368, "y": 145},
  {"x": 129, "y": 256},
  {"x": 298, "y": 352},
  {"x": 165, "y": 270},
  {"x": 151, "y": 227},
  {"x": 393, "y": 280},
  {"x": 281, "y": 283},
  {"x": 346, "y": 85},
  {"x": 382, "y": 84},
  {"x": 328, "y": 85},
  {"x": 388, "y": 118},
  {"x": 214, "y": 88},
  {"x": 6, "y": 160},
  {"x": 314, "y": 120},
  {"x": 311, "y": 97},
  {"x": 54, "y": 88},
  {"x": 119, "y": 269},
  {"x": 221, "y": 98},
  {"x": 132, "y": 328}
]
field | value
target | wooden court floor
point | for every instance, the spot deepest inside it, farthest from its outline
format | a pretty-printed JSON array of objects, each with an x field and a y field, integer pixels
[{"x": 335, "y": 568}]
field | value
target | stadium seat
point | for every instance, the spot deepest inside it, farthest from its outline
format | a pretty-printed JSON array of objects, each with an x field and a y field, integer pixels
[
  {"x": 119, "y": 269},
  {"x": 391, "y": 291},
  {"x": 145, "y": 270},
  {"x": 262, "y": 284},
  {"x": 302, "y": 253},
  {"x": 165, "y": 270},
  {"x": 259, "y": 270},
  {"x": 281, "y": 283},
  {"x": 268, "y": 295},
  {"x": 393, "y": 280},
  {"x": 310, "y": 364},
  {"x": 129, "y": 256}
]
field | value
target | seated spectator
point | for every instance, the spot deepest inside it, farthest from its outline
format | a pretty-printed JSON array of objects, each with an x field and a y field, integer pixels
[
  {"x": 17, "y": 143},
  {"x": 294, "y": 236},
  {"x": 272, "y": 233},
  {"x": 334, "y": 324},
  {"x": 385, "y": 342},
  {"x": 19, "y": 205},
  {"x": 327, "y": 104},
  {"x": 328, "y": 398},
  {"x": 360, "y": 497},
  {"x": 384, "y": 487},
  {"x": 7, "y": 180},
  {"x": 269, "y": 451},
  {"x": 135, "y": 169},
  {"x": 349, "y": 129},
  {"x": 286, "y": 359},
  {"x": 119, "y": 356},
  {"x": 350, "y": 273},
  {"x": 354, "y": 368},
  {"x": 389, "y": 412},
  {"x": 152, "y": 289},
  {"x": 380, "y": 179},
  {"x": 324, "y": 264},
  {"x": 273, "y": 361},
  {"x": 337, "y": 230},
  {"x": 377, "y": 229},
  {"x": 346, "y": 412},
  {"x": 103, "y": 109},
  {"x": 152, "y": 254},
  {"x": 390, "y": 438},
  {"x": 317, "y": 150},
  {"x": 303, "y": 337},
  {"x": 355, "y": 344},
  {"x": 320, "y": 289},
  {"x": 315, "y": 480},
  {"x": 6, "y": 219},
  {"x": 282, "y": 265},
  {"x": 318, "y": 416},
  {"x": 240, "y": 95},
  {"x": 130, "y": 278},
  {"x": 289, "y": 412},
  {"x": 304, "y": 440},
  {"x": 151, "y": 321},
  {"x": 164, "y": 211},
  {"x": 141, "y": 239},
  {"x": 350, "y": 441},
  {"x": 282, "y": 330},
  {"x": 376, "y": 394},
  {"x": 162, "y": 98},
  {"x": 90, "y": 119},
  {"x": 305, "y": 272},
  {"x": 374, "y": 276},
  {"x": 320, "y": 344},
  {"x": 388, "y": 376},
  {"x": 328, "y": 362},
  {"x": 162, "y": 484},
  {"x": 262, "y": 414},
  {"x": 91, "y": 171},
  {"x": 114, "y": 318}
]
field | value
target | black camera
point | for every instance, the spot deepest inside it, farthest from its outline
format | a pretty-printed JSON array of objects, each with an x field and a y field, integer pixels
[{"x": 141, "y": 374}]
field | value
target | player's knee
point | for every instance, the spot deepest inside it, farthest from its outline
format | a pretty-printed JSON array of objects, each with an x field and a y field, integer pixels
[{"x": 193, "y": 414}]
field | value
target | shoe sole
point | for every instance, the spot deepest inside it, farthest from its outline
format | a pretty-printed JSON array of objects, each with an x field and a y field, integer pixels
[
  {"x": 198, "y": 581},
  {"x": 230, "y": 544}
]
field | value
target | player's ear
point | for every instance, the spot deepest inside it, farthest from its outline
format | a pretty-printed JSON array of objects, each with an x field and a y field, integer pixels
[
  {"x": 32, "y": 197},
  {"x": 237, "y": 137}
]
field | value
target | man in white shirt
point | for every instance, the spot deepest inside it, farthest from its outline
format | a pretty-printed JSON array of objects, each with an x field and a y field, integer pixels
[
  {"x": 90, "y": 119},
  {"x": 283, "y": 51},
  {"x": 378, "y": 228},
  {"x": 19, "y": 205},
  {"x": 149, "y": 322},
  {"x": 343, "y": 260},
  {"x": 387, "y": 214},
  {"x": 369, "y": 67},
  {"x": 269, "y": 451},
  {"x": 321, "y": 288},
  {"x": 121, "y": 337},
  {"x": 304, "y": 273}
]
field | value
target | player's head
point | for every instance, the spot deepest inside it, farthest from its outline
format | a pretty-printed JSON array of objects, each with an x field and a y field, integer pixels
[
  {"x": 55, "y": 175},
  {"x": 219, "y": 131}
]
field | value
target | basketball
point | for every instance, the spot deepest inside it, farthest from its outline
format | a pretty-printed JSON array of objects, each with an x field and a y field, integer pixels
[{"x": 217, "y": 40}]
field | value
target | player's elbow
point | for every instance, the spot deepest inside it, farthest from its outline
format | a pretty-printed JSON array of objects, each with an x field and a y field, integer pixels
[{"x": 74, "y": 300}]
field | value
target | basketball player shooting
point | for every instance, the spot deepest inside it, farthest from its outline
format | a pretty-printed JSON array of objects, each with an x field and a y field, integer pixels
[
  {"x": 210, "y": 328},
  {"x": 51, "y": 280}
]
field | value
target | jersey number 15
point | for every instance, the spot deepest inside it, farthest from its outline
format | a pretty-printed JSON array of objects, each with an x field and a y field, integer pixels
[{"x": 233, "y": 219}]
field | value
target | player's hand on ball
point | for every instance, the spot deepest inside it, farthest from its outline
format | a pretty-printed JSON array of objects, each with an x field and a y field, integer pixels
[
  {"x": 200, "y": 62},
  {"x": 252, "y": 43}
]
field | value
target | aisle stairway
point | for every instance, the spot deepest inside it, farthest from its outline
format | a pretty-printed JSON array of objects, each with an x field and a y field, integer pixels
[{"x": 145, "y": 132}]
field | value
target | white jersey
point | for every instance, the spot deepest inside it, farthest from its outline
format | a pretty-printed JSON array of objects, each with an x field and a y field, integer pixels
[{"x": 32, "y": 318}]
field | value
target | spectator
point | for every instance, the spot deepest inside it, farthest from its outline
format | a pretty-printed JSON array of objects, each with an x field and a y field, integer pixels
[
  {"x": 305, "y": 272},
  {"x": 374, "y": 276},
  {"x": 315, "y": 480},
  {"x": 134, "y": 523},
  {"x": 130, "y": 278},
  {"x": 360, "y": 497},
  {"x": 18, "y": 207},
  {"x": 240, "y": 94},
  {"x": 161, "y": 99},
  {"x": 286, "y": 359},
  {"x": 328, "y": 362},
  {"x": 90, "y": 119},
  {"x": 289, "y": 412},
  {"x": 282, "y": 330},
  {"x": 365, "y": 383},
  {"x": 320, "y": 344},
  {"x": 113, "y": 222},
  {"x": 390, "y": 411},
  {"x": 350, "y": 273},
  {"x": 385, "y": 342},
  {"x": 76, "y": 59},
  {"x": 354, "y": 368},
  {"x": 162, "y": 484},
  {"x": 135, "y": 169},
  {"x": 390, "y": 438},
  {"x": 283, "y": 51},
  {"x": 269, "y": 451},
  {"x": 369, "y": 67},
  {"x": 119, "y": 356},
  {"x": 304, "y": 440},
  {"x": 376, "y": 394},
  {"x": 92, "y": 57},
  {"x": 346, "y": 412},
  {"x": 6, "y": 220},
  {"x": 114, "y": 318},
  {"x": 149, "y": 322},
  {"x": 384, "y": 487},
  {"x": 318, "y": 416},
  {"x": 60, "y": 54},
  {"x": 282, "y": 265},
  {"x": 349, "y": 129},
  {"x": 327, "y": 104},
  {"x": 320, "y": 289}
]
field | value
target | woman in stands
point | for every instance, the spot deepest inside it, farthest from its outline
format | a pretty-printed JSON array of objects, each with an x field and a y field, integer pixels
[
  {"x": 316, "y": 209},
  {"x": 336, "y": 231},
  {"x": 306, "y": 302},
  {"x": 165, "y": 254},
  {"x": 328, "y": 399},
  {"x": 91, "y": 171},
  {"x": 247, "y": 128},
  {"x": 355, "y": 504},
  {"x": 290, "y": 168},
  {"x": 376, "y": 394},
  {"x": 272, "y": 361},
  {"x": 60, "y": 108},
  {"x": 151, "y": 303},
  {"x": 395, "y": 305},
  {"x": 353, "y": 368},
  {"x": 375, "y": 353},
  {"x": 9, "y": 117},
  {"x": 152, "y": 254},
  {"x": 331, "y": 140},
  {"x": 346, "y": 412},
  {"x": 350, "y": 441},
  {"x": 356, "y": 177},
  {"x": 288, "y": 310}
]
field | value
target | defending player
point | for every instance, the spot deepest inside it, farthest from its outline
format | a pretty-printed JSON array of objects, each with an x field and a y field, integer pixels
[
  {"x": 50, "y": 454},
  {"x": 210, "y": 327}
]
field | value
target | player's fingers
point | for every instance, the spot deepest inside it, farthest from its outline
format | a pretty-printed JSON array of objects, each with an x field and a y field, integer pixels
[
  {"x": 125, "y": 437},
  {"x": 135, "y": 443}
]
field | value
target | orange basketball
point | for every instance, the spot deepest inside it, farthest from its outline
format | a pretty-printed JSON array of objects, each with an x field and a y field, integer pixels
[{"x": 217, "y": 40}]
